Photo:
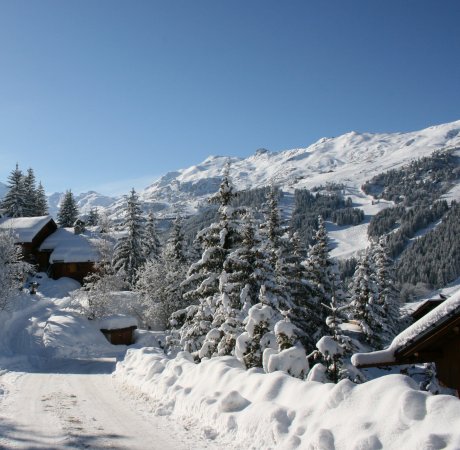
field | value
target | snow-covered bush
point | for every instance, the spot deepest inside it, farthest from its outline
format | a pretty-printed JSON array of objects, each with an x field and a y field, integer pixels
[
  {"x": 13, "y": 270},
  {"x": 258, "y": 336}
]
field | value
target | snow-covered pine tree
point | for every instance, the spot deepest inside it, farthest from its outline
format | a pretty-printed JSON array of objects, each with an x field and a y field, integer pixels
[
  {"x": 13, "y": 204},
  {"x": 302, "y": 295},
  {"x": 239, "y": 284},
  {"x": 387, "y": 295},
  {"x": 159, "y": 281},
  {"x": 290, "y": 357},
  {"x": 152, "y": 248},
  {"x": 259, "y": 334},
  {"x": 68, "y": 211},
  {"x": 129, "y": 253},
  {"x": 202, "y": 283},
  {"x": 176, "y": 241},
  {"x": 93, "y": 217},
  {"x": 322, "y": 274},
  {"x": 12, "y": 269},
  {"x": 30, "y": 194},
  {"x": 332, "y": 351},
  {"x": 364, "y": 308},
  {"x": 41, "y": 207}
]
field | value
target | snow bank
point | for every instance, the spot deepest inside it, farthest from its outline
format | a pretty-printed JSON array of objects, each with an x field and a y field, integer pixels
[
  {"x": 250, "y": 409},
  {"x": 423, "y": 325},
  {"x": 69, "y": 335}
]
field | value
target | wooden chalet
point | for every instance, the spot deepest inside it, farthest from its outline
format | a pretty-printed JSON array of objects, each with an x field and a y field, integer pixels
[
  {"x": 68, "y": 254},
  {"x": 427, "y": 306},
  {"x": 434, "y": 338},
  {"x": 29, "y": 233}
]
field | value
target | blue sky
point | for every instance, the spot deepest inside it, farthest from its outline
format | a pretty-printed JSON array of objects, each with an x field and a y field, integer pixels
[{"x": 109, "y": 94}]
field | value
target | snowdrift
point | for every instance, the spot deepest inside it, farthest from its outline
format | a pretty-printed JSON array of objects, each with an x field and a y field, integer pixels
[{"x": 251, "y": 409}]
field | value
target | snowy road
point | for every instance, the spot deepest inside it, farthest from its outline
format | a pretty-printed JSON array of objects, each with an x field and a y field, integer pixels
[
  {"x": 85, "y": 409},
  {"x": 51, "y": 403}
]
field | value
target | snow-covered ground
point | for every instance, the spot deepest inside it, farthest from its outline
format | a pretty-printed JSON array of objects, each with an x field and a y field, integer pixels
[
  {"x": 56, "y": 388},
  {"x": 59, "y": 389},
  {"x": 254, "y": 410}
]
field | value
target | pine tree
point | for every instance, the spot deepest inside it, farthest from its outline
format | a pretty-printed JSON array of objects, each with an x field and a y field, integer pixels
[
  {"x": 14, "y": 201},
  {"x": 387, "y": 295},
  {"x": 68, "y": 211},
  {"x": 176, "y": 241},
  {"x": 202, "y": 283},
  {"x": 41, "y": 208},
  {"x": 364, "y": 307},
  {"x": 93, "y": 217},
  {"x": 160, "y": 281},
  {"x": 151, "y": 242},
  {"x": 238, "y": 289},
  {"x": 322, "y": 274},
  {"x": 333, "y": 349},
  {"x": 259, "y": 334},
  {"x": 30, "y": 194},
  {"x": 129, "y": 251}
]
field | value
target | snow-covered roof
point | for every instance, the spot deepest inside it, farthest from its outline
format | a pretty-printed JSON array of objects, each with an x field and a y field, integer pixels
[
  {"x": 117, "y": 322},
  {"x": 417, "y": 330},
  {"x": 24, "y": 228},
  {"x": 68, "y": 247}
]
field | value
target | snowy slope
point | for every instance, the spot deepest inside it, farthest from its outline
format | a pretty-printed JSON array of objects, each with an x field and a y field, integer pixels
[
  {"x": 85, "y": 201},
  {"x": 350, "y": 159}
]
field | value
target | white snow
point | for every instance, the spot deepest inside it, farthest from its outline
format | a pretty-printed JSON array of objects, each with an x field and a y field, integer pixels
[
  {"x": 66, "y": 246},
  {"x": 328, "y": 346},
  {"x": 56, "y": 391},
  {"x": 349, "y": 159},
  {"x": 24, "y": 228},
  {"x": 416, "y": 329},
  {"x": 116, "y": 322},
  {"x": 251, "y": 409}
]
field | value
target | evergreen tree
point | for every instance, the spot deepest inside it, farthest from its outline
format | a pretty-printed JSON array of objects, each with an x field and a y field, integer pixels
[
  {"x": 93, "y": 217},
  {"x": 151, "y": 242},
  {"x": 176, "y": 241},
  {"x": 14, "y": 201},
  {"x": 41, "y": 208},
  {"x": 322, "y": 274},
  {"x": 387, "y": 295},
  {"x": 239, "y": 284},
  {"x": 68, "y": 211},
  {"x": 202, "y": 282},
  {"x": 160, "y": 281},
  {"x": 332, "y": 351},
  {"x": 259, "y": 334},
  {"x": 129, "y": 253},
  {"x": 364, "y": 307},
  {"x": 30, "y": 194}
]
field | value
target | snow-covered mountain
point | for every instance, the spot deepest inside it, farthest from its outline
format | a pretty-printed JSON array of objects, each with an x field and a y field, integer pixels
[
  {"x": 350, "y": 159},
  {"x": 85, "y": 201},
  {"x": 3, "y": 190}
]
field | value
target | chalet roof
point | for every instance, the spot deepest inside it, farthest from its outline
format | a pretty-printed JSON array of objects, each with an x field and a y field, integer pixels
[
  {"x": 428, "y": 324},
  {"x": 24, "y": 228},
  {"x": 426, "y": 306},
  {"x": 68, "y": 247}
]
